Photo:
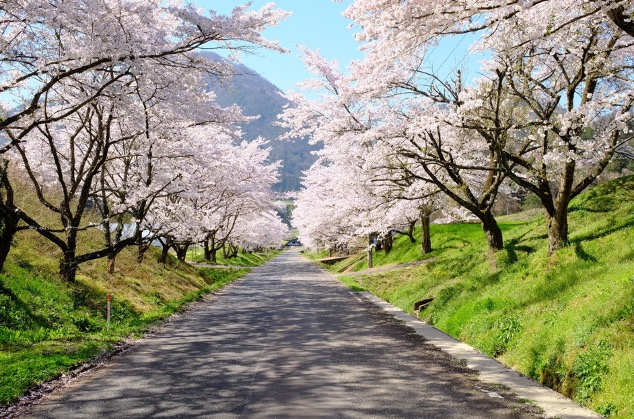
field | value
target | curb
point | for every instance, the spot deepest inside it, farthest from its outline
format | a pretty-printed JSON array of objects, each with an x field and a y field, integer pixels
[{"x": 491, "y": 371}]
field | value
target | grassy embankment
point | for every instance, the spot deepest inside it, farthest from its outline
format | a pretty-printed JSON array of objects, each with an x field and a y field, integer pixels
[
  {"x": 242, "y": 259},
  {"x": 566, "y": 320},
  {"x": 48, "y": 327}
]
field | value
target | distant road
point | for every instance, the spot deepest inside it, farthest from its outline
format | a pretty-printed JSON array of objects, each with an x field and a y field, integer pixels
[{"x": 287, "y": 341}]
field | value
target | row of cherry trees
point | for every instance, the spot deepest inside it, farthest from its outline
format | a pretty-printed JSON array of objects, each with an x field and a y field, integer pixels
[
  {"x": 551, "y": 107},
  {"x": 106, "y": 115}
]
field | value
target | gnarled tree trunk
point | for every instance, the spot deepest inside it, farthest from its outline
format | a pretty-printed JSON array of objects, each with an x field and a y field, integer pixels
[
  {"x": 492, "y": 231},
  {"x": 68, "y": 266},
  {"x": 8, "y": 219},
  {"x": 410, "y": 231},
  {"x": 181, "y": 251},
  {"x": 141, "y": 249},
  {"x": 388, "y": 243},
  {"x": 210, "y": 248},
  {"x": 166, "y": 243},
  {"x": 8, "y": 229},
  {"x": 425, "y": 242}
]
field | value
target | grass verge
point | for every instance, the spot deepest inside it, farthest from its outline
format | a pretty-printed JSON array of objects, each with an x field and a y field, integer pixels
[
  {"x": 48, "y": 327},
  {"x": 242, "y": 259},
  {"x": 566, "y": 320}
]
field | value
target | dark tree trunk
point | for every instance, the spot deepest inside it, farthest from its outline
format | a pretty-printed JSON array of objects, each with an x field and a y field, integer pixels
[
  {"x": 378, "y": 244},
  {"x": 8, "y": 228},
  {"x": 181, "y": 251},
  {"x": 557, "y": 221},
  {"x": 410, "y": 231},
  {"x": 425, "y": 242},
  {"x": 620, "y": 18},
  {"x": 141, "y": 252},
  {"x": 210, "y": 249},
  {"x": 557, "y": 215},
  {"x": 165, "y": 248},
  {"x": 68, "y": 266},
  {"x": 370, "y": 242},
  {"x": 388, "y": 243},
  {"x": 232, "y": 252},
  {"x": 492, "y": 231},
  {"x": 8, "y": 219},
  {"x": 206, "y": 250},
  {"x": 557, "y": 231}
]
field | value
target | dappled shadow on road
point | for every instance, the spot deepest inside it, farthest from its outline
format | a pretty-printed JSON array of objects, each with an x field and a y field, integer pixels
[{"x": 287, "y": 341}]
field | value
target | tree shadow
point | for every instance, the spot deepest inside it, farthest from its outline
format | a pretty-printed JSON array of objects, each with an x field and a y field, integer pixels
[
  {"x": 512, "y": 246},
  {"x": 27, "y": 318},
  {"x": 598, "y": 233},
  {"x": 583, "y": 255}
]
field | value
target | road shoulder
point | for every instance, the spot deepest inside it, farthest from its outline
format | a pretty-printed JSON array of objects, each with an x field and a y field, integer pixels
[{"x": 489, "y": 370}]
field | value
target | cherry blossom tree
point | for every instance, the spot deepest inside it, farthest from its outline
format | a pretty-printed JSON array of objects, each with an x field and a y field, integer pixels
[
  {"x": 62, "y": 163},
  {"x": 549, "y": 111},
  {"x": 321, "y": 216},
  {"x": 44, "y": 44},
  {"x": 95, "y": 48},
  {"x": 210, "y": 202},
  {"x": 260, "y": 231},
  {"x": 90, "y": 160},
  {"x": 576, "y": 88},
  {"x": 406, "y": 25},
  {"x": 183, "y": 133},
  {"x": 412, "y": 202},
  {"x": 411, "y": 133},
  {"x": 248, "y": 191},
  {"x": 346, "y": 197}
]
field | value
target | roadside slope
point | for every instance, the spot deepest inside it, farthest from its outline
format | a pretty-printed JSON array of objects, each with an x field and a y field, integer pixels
[
  {"x": 566, "y": 320},
  {"x": 49, "y": 327}
]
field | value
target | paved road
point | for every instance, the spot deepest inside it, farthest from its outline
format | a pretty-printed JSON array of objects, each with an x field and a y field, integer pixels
[{"x": 288, "y": 341}]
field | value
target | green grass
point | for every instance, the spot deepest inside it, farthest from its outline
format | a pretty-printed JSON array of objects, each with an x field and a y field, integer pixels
[
  {"x": 316, "y": 254},
  {"x": 48, "y": 327},
  {"x": 566, "y": 320},
  {"x": 242, "y": 259}
]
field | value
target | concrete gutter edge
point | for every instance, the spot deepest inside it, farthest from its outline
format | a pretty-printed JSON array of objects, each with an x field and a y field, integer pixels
[{"x": 491, "y": 371}]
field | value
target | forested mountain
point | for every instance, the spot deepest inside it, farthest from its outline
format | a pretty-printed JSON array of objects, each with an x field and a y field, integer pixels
[{"x": 258, "y": 96}]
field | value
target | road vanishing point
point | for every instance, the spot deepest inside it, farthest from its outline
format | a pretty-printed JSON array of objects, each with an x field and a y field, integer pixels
[{"x": 286, "y": 341}]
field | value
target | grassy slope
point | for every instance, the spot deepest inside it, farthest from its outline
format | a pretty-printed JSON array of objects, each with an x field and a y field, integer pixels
[
  {"x": 48, "y": 327},
  {"x": 243, "y": 259},
  {"x": 566, "y": 320}
]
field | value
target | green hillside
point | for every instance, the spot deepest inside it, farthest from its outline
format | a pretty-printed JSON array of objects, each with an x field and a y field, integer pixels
[{"x": 566, "y": 320}]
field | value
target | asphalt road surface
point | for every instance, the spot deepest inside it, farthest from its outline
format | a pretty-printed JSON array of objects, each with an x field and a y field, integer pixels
[{"x": 287, "y": 341}]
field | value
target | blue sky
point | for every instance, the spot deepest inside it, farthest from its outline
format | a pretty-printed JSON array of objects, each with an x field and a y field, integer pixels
[{"x": 318, "y": 24}]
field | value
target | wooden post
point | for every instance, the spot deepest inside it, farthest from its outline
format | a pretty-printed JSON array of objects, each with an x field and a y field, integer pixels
[{"x": 108, "y": 313}]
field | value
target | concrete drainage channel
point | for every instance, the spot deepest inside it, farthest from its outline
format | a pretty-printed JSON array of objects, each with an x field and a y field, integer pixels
[{"x": 490, "y": 371}]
